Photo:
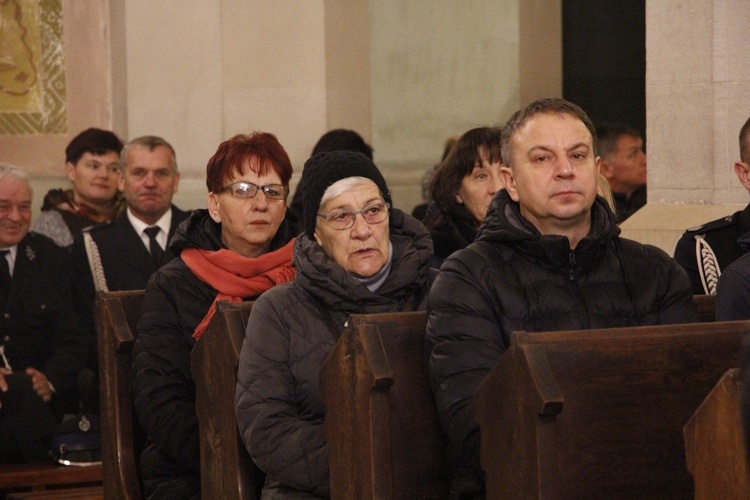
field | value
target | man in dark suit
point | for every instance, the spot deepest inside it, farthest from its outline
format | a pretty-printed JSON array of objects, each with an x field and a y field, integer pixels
[
  {"x": 123, "y": 254},
  {"x": 42, "y": 344},
  {"x": 128, "y": 254}
]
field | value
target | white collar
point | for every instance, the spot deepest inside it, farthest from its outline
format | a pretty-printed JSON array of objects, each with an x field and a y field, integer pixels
[{"x": 164, "y": 222}]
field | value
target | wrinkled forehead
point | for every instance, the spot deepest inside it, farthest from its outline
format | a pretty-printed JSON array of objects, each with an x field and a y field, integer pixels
[
  {"x": 160, "y": 156},
  {"x": 550, "y": 130},
  {"x": 14, "y": 190},
  {"x": 350, "y": 193}
]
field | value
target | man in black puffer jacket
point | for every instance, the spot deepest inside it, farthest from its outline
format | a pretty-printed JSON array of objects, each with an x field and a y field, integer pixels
[{"x": 548, "y": 257}]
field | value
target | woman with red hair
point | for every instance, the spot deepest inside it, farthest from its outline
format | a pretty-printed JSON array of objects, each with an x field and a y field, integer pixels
[{"x": 235, "y": 250}]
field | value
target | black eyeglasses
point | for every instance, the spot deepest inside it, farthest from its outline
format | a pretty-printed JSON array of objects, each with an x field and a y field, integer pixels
[
  {"x": 344, "y": 219},
  {"x": 244, "y": 189}
]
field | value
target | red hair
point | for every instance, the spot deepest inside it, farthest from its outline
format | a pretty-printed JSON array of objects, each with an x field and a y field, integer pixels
[{"x": 234, "y": 153}]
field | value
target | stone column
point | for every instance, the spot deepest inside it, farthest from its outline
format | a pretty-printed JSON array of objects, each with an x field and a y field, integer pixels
[{"x": 697, "y": 98}]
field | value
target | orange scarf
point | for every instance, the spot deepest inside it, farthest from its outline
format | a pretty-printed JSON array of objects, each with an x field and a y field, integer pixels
[{"x": 236, "y": 277}]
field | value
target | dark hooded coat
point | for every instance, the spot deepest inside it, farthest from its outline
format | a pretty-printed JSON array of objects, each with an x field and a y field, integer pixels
[
  {"x": 513, "y": 278},
  {"x": 291, "y": 330}
]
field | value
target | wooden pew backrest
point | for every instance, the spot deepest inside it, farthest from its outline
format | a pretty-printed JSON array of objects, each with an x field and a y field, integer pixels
[
  {"x": 599, "y": 413},
  {"x": 706, "y": 307},
  {"x": 117, "y": 315},
  {"x": 227, "y": 471},
  {"x": 384, "y": 438},
  {"x": 715, "y": 443}
]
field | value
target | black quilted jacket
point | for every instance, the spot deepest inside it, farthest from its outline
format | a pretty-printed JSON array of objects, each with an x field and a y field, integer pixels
[
  {"x": 163, "y": 388},
  {"x": 289, "y": 333},
  {"x": 513, "y": 278}
]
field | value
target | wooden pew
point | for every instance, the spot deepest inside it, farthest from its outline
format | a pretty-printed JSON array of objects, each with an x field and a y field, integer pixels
[
  {"x": 384, "y": 438},
  {"x": 227, "y": 471},
  {"x": 38, "y": 477},
  {"x": 715, "y": 445},
  {"x": 599, "y": 413},
  {"x": 117, "y": 315},
  {"x": 706, "y": 307}
]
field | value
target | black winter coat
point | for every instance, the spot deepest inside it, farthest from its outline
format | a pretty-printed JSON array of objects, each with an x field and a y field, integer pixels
[
  {"x": 291, "y": 330},
  {"x": 513, "y": 278},
  {"x": 733, "y": 289},
  {"x": 175, "y": 303},
  {"x": 39, "y": 327},
  {"x": 707, "y": 250},
  {"x": 449, "y": 235}
]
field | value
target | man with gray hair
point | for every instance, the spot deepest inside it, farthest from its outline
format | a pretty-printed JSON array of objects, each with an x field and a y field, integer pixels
[
  {"x": 42, "y": 345},
  {"x": 123, "y": 254},
  {"x": 547, "y": 257}
]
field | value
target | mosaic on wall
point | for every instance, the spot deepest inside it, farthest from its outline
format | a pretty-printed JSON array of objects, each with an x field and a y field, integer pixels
[{"x": 32, "y": 69}]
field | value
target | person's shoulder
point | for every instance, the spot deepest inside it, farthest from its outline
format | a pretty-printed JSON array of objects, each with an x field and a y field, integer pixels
[
  {"x": 284, "y": 300},
  {"x": 40, "y": 246},
  {"x": 741, "y": 266},
  {"x": 98, "y": 227},
  {"x": 635, "y": 249},
  {"x": 101, "y": 232},
  {"x": 721, "y": 224},
  {"x": 42, "y": 241},
  {"x": 48, "y": 218},
  {"x": 178, "y": 214},
  {"x": 480, "y": 260},
  {"x": 173, "y": 270},
  {"x": 278, "y": 293},
  {"x": 722, "y": 232}
]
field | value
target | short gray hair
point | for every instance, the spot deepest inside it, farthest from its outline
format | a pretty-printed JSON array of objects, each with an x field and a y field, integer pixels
[
  {"x": 149, "y": 142},
  {"x": 8, "y": 170}
]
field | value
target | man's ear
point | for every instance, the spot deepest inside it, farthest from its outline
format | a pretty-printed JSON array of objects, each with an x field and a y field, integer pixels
[
  {"x": 509, "y": 181},
  {"x": 606, "y": 168},
  {"x": 213, "y": 207},
  {"x": 742, "y": 170},
  {"x": 317, "y": 238}
]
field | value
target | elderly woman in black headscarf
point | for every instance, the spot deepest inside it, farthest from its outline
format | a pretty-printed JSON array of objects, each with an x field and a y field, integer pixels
[{"x": 357, "y": 255}]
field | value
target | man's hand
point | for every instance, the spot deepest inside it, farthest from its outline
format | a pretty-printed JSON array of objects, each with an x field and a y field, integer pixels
[
  {"x": 3, "y": 383},
  {"x": 41, "y": 385}
]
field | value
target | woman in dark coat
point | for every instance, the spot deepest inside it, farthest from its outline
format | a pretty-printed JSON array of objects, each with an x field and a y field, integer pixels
[
  {"x": 235, "y": 250},
  {"x": 357, "y": 255},
  {"x": 462, "y": 189}
]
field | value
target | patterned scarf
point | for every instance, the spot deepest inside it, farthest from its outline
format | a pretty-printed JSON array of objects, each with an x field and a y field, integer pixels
[
  {"x": 236, "y": 277},
  {"x": 65, "y": 200}
]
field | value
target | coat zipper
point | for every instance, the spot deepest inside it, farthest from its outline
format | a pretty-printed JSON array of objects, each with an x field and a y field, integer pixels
[{"x": 572, "y": 264}]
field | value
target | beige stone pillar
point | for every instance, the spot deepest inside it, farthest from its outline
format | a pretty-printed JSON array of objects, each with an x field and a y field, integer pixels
[
  {"x": 697, "y": 98},
  {"x": 200, "y": 72}
]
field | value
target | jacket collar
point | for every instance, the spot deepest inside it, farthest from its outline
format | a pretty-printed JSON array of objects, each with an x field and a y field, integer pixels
[{"x": 505, "y": 224}]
